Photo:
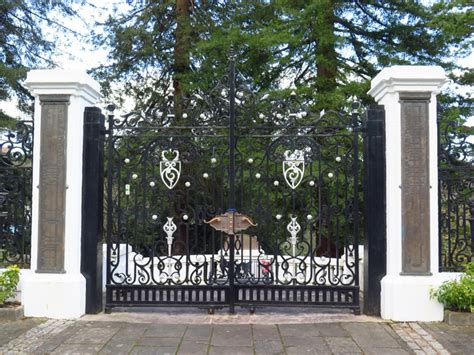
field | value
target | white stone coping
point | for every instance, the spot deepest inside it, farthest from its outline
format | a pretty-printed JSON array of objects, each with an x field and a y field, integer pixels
[
  {"x": 63, "y": 82},
  {"x": 407, "y": 78}
]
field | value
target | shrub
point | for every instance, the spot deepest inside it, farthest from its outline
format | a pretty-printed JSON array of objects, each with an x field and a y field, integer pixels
[
  {"x": 8, "y": 282},
  {"x": 457, "y": 295}
]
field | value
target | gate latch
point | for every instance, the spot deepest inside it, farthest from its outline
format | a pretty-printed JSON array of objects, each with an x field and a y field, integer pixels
[{"x": 231, "y": 222}]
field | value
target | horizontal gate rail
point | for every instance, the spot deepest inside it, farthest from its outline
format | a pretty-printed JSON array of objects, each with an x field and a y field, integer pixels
[
  {"x": 130, "y": 295},
  {"x": 327, "y": 296}
]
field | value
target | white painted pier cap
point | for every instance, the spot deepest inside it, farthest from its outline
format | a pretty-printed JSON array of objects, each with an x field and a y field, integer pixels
[
  {"x": 407, "y": 78},
  {"x": 63, "y": 82}
]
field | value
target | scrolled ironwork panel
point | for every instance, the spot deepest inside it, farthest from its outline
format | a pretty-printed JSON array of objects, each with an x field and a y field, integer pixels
[
  {"x": 456, "y": 194},
  {"x": 323, "y": 251},
  {"x": 16, "y": 159}
]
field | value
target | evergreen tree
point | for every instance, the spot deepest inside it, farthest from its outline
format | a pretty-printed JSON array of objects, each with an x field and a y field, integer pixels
[
  {"x": 23, "y": 44},
  {"x": 329, "y": 49}
]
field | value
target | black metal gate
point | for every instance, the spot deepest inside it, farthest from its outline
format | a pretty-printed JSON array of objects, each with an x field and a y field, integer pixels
[
  {"x": 455, "y": 193},
  {"x": 237, "y": 199},
  {"x": 16, "y": 160}
]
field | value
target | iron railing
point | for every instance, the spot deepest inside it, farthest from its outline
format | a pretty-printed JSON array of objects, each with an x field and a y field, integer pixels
[
  {"x": 16, "y": 161},
  {"x": 456, "y": 194}
]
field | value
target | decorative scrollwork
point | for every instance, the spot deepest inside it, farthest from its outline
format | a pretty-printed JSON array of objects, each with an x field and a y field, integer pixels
[
  {"x": 456, "y": 186},
  {"x": 16, "y": 157},
  {"x": 293, "y": 167},
  {"x": 170, "y": 170},
  {"x": 293, "y": 228},
  {"x": 169, "y": 228}
]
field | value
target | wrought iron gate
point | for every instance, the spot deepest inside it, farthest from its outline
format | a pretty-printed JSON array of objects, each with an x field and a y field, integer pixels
[
  {"x": 456, "y": 198},
  {"x": 233, "y": 160},
  {"x": 16, "y": 158}
]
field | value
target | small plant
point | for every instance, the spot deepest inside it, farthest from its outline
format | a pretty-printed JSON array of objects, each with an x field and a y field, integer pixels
[
  {"x": 8, "y": 282},
  {"x": 457, "y": 295}
]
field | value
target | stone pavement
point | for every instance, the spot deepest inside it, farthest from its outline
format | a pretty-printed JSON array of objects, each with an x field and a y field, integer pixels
[
  {"x": 457, "y": 339},
  {"x": 85, "y": 337},
  {"x": 167, "y": 332},
  {"x": 12, "y": 330}
]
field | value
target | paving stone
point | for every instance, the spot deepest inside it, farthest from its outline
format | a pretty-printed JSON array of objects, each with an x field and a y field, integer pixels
[
  {"x": 342, "y": 345},
  {"x": 298, "y": 350},
  {"x": 413, "y": 345},
  {"x": 298, "y": 330},
  {"x": 232, "y": 335},
  {"x": 331, "y": 330},
  {"x": 455, "y": 339},
  {"x": 47, "y": 347},
  {"x": 394, "y": 335},
  {"x": 231, "y": 350},
  {"x": 306, "y": 344},
  {"x": 165, "y": 330},
  {"x": 92, "y": 336},
  {"x": 33, "y": 338},
  {"x": 12, "y": 330},
  {"x": 129, "y": 333},
  {"x": 117, "y": 347},
  {"x": 265, "y": 332},
  {"x": 147, "y": 350},
  {"x": 52, "y": 342},
  {"x": 386, "y": 351},
  {"x": 269, "y": 346},
  {"x": 370, "y": 336},
  {"x": 193, "y": 347},
  {"x": 64, "y": 349},
  {"x": 159, "y": 342},
  {"x": 198, "y": 332}
]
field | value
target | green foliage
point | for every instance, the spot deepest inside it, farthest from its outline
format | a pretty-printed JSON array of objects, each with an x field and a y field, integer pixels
[
  {"x": 328, "y": 50},
  {"x": 457, "y": 295},
  {"x": 8, "y": 282},
  {"x": 23, "y": 44}
]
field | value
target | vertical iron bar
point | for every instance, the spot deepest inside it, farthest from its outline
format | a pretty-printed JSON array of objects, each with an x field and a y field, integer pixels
[
  {"x": 355, "y": 123},
  {"x": 232, "y": 134},
  {"x": 471, "y": 221},
  {"x": 440, "y": 184},
  {"x": 232, "y": 181},
  {"x": 110, "y": 119}
]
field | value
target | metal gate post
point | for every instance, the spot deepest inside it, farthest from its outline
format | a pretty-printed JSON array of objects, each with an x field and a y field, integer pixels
[
  {"x": 92, "y": 208},
  {"x": 375, "y": 245},
  {"x": 231, "y": 271}
]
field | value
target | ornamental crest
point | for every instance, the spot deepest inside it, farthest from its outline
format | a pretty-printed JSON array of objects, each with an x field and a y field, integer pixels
[
  {"x": 293, "y": 168},
  {"x": 170, "y": 169}
]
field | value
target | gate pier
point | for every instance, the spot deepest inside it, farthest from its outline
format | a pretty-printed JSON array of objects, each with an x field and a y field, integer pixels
[
  {"x": 409, "y": 96},
  {"x": 55, "y": 287}
]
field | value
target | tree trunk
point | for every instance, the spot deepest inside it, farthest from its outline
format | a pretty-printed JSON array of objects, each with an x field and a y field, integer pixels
[
  {"x": 181, "y": 67},
  {"x": 181, "y": 52},
  {"x": 326, "y": 56}
]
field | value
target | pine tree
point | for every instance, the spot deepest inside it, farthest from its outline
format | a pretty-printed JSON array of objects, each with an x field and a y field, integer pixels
[
  {"x": 23, "y": 44},
  {"x": 329, "y": 49}
]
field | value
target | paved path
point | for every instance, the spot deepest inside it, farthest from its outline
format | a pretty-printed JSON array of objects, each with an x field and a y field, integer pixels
[
  {"x": 457, "y": 339},
  {"x": 12, "y": 330},
  {"x": 84, "y": 337},
  {"x": 170, "y": 333}
]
